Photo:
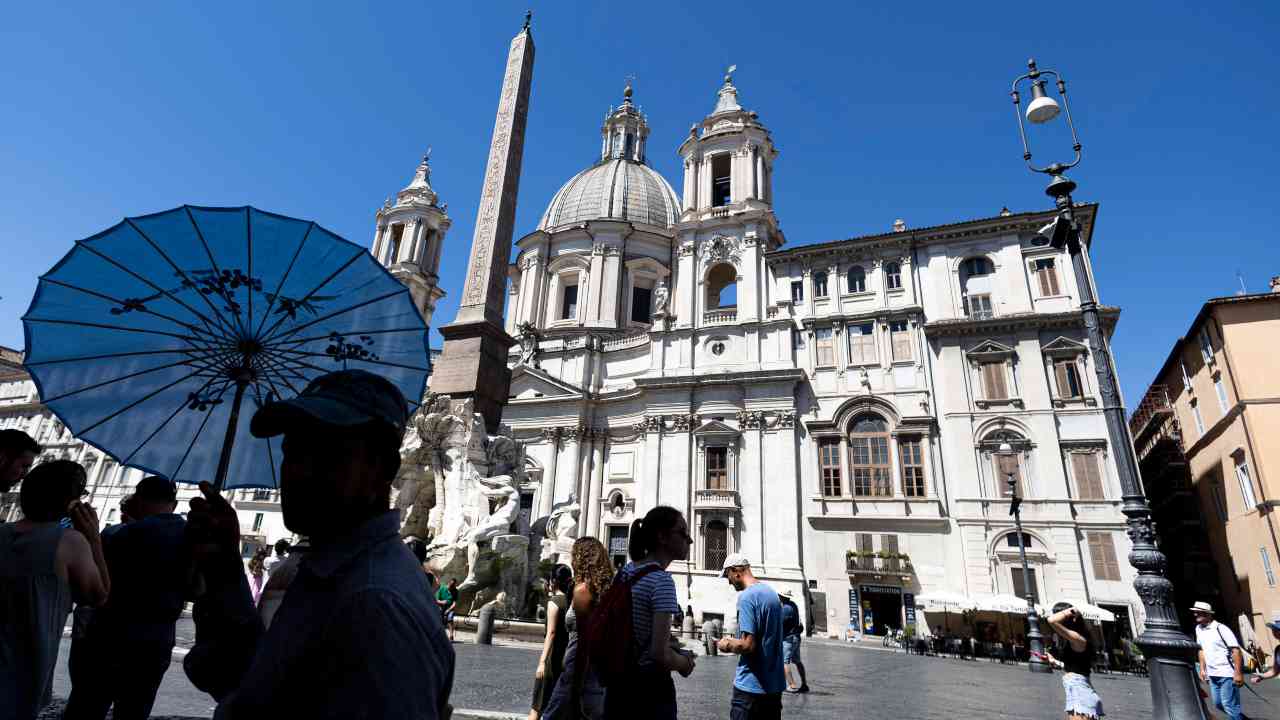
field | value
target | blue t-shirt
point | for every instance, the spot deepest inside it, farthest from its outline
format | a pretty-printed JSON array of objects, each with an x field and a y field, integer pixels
[{"x": 760, "y": 614}]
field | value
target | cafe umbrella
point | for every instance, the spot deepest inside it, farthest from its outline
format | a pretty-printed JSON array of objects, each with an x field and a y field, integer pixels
[{"x": 150, "y": 339}]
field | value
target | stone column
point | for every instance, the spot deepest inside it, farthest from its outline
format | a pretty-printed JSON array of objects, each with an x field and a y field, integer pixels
[
  {"x": 573, "y": 452},
  {"x": 704, "y": 183},
  {"x": 649, "y": 476},
  {"x": 589, "y": 305},
  {"x": 596, "y": 482},
  {"x": 684, "y": 291},
  {"x": 760, "y": 174},
  {"x": 546, "y": 496},
  {"x": 474, "y": 362}
]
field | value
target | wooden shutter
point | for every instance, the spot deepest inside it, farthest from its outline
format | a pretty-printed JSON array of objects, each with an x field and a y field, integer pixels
[
  {"x": 1088, "y": 476},
  {"x": 1064, "y": 383},
  {"x": 1102, "y": 556},
  {"x": 1051, "y": 279},
  {"x": 993, "y": 381},
  {"x": 902, "y": 344}
]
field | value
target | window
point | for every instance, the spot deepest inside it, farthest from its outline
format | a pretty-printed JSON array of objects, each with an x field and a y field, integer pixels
[
  {"x": 717, "y": 468},
  {"x": 1001, "y": 472},
  {"x": 1024, "y": 584},
  {"x": 393, "y": 244},
  {"x": 261, "y": 494},
  {"x": 722, "y": 287},
  {"x": 1206, "y": 346},
  {"x": 900, "y": 339},
  {"x": 1012, "y": 540},
  {"x": 721, "y": 180},
  {"x": 1102, "y": 553},
  {"x": 1186, "y": 379},
  {"x": 618, "y": 545},
  {"x": 869, "y": 456},
  {"x": 857, "y": 279},
  {"x": 994, "y": 382},
  {"x": 641, "y": 304},
  {"x": 1085, "y": 468},
  {"x": 889, "y": 546},
  {"x": 829, "y": 466},
  {"x": 1222, "y": 394},
  {"x": 825, "y": 346},
  {"x": 797, "y": 292},
  {"x": 893, "y": 276},
  {"x": 257, "y": 522},
  {"x": 569, "y": 301},
  {"x": 1066, "y": 373},
  {"x": 1246, "y": 482},
  {"x": 1219, "y": 500},
  {"x": 797, "y": 339},
  {"x": 819, "y": 284},
  {"x": 715, "y": 538},
  {"x": 862, "y": 344},
  {"x": 1046, "y": 276},
  {"x": 978, "y": 306},
  {"x": 912, "y": 466},
  {"x": 976, "y": 267},
  {"x": 1266, "y": 567},
  {"x": 1195, "y": 412}
]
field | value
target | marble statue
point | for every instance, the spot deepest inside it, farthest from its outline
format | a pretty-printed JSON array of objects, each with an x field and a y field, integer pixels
[
  {"x": 562, "y": 529},
  {"x": 660, "y": 295}
]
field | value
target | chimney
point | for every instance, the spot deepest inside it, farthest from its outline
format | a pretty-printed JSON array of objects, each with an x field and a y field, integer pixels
[
  {"x": 899, "y": 225},
  {"x": 1275, "y": 283}
]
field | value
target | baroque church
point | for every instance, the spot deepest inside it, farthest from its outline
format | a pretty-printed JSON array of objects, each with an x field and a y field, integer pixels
[{"x": 853, "y": 415}]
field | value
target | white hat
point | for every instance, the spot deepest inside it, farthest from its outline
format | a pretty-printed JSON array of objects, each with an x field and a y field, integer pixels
[
  {"x": 733, "y": 561},
  {"x": 1202, "y": 607},
  {"x": 785, "y": 592}
]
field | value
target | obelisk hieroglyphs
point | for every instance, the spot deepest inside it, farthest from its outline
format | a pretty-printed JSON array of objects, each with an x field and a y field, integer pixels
[{"x": 474, "y": 361}]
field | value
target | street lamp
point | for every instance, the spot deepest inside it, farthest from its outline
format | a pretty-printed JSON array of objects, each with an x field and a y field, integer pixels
[
  {"x": 1008, "y": 460},
  {"x": 1170, "y": 653}
]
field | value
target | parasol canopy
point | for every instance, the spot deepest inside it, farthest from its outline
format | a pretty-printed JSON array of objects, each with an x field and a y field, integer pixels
[{"x": 148, "y": 338}]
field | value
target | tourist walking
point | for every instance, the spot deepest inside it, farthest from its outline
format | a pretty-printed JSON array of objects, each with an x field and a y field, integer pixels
[
  {"x": 278, "y": 581},
  {"x": 760, "y": 680},
  {"x": 357, "y": 634},
  {"x": 282, "y": 549},
  {"x": 646, "y": 691},
  {"x": 447, "y": 601},
  {"x": 1274, "y": 627},
  {"x": 579, "y": 694},
  {"x": 126, "y": 647},
  {"x": 1221, "y": 661},
  {"x": 551, "y": 661},
  {"x": 792, "y": 632},
  {"x": 1074, "y": 656},
  {"x": 256, "y": 574},
  {"x": 43, "y": 567},
  {"x": 17, "y": 453}
]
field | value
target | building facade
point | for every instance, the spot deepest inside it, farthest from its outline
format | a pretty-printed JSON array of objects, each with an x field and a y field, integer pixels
[{"x": 1204, "y": 433}]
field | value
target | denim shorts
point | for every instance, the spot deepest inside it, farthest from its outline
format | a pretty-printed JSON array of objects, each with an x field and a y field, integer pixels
[
  {"x": 791, "y": 649},
  {"x": 1081, "y": 699}
]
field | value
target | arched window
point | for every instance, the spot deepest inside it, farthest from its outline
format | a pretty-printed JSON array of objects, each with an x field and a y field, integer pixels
[
  {"x": 869, "y": 456},
  {"x": 892, "y": 276},
  {"x": 1006, "y": 467},
  {"x": 722, "y": 287},
  {"x": 819, "y": 284},
  {"x": 715, "y": 541},
  {"x": 975, "y": 287},
  {"x": 857, "y": 279},
  {"x": 976, "y": 267}
]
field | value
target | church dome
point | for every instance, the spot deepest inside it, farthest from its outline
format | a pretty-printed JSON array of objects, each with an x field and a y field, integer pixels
[{"x": 615, "y": 189}]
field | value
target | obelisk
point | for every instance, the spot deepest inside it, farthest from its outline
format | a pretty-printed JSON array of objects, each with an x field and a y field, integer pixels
[{"x": 474, "y": 361}]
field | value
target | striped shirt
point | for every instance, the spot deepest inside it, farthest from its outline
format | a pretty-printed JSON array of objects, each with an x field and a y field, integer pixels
[{"x": 653, "y": 593}]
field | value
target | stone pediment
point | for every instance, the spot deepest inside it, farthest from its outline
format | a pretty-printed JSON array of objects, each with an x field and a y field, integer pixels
[
  {"x": 528, "y": 383},
  {"x": 715, "y": 427},
  {"x": 990, "y": 350},
  {"x": 1062, "y": 346}
]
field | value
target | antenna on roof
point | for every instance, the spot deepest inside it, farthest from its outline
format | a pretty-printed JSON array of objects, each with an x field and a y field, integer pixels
[{"x": 1243, "y": 290}]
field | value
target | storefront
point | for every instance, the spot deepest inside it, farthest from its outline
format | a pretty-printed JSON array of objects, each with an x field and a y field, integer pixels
[{"x": 879, "y": 608}]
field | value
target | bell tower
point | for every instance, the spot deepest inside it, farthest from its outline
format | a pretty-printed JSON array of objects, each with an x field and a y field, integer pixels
[
  {"x": 409, "y": 237},
  {"x": 728, "y": 158}
]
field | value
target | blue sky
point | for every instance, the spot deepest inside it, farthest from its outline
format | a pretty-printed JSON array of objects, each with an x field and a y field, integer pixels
[{"x": 321, "y": 110}]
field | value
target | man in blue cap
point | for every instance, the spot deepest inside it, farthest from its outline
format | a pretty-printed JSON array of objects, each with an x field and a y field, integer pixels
[
  {"x": 1274, "y": 627},
  {"x": 358, "y": 634}
]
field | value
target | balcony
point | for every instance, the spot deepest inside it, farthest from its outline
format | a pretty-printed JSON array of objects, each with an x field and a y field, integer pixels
[
  {"x": 875, "y": 565},
  {"x": 721, "y": 316},
  {"x": 716, "y": 500},
  {"x": 1155, "y": 423}
]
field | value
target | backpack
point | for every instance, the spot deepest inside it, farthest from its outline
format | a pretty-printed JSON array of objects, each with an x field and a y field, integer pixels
[{"x": 609, "y": 636}]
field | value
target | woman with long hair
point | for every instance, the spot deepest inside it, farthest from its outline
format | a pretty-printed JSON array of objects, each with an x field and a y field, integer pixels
[
  {"x": 661, "y": 538},
  {"x": 551, "y": 662},
  {"x": 257, "y": 574},
  {"x": 579, "y": 694},
  {"x": 1074, "y": 656}
]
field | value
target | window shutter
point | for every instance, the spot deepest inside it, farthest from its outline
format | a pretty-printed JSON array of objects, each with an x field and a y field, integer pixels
[
  {"x": 993, "y": 381},
  {"x": 1095, "y": 556},
  {"x": 864, "y": 542},
  {"x": 1088, "y": 475},
  {"x": 902, "y": 345},
  {"x": 1051, "y": 275},
  {"x": 1064, "y": 383}
]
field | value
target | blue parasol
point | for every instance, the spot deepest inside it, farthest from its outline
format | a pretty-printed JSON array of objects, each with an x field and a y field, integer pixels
[{"x": 147, "y": 338}]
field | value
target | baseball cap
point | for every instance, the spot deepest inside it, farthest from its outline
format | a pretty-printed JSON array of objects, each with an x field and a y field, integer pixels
[
  {"x": 154, "y": 488},
  {"x": 345, "y": 398},
  {"x": 1275, "y": 622},
  {"x": 734, "y": 560}
]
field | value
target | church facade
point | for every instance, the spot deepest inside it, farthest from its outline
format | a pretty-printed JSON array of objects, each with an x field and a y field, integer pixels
[{"x": 851, "y": 415}]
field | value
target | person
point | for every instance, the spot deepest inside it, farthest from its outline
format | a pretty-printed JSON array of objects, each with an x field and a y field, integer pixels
[
  {"x": 43, "y": 567},
  {"x": 18, "y": 452},
  {"x": 657, "y": 540},
  {"x": 278, "y": 581},
  {"x": 1221, "y": 662},
  {"x": 257, "y": 574},
  {"x": 357, "y": 634},
  {"x": 1074, "y": 656},
  {"x": 792, "y": 632},
  {"x": 556, "y": 640},
  {"x": 710, "y": 636},
  {"x": 447, "y": 600},
  {"x": 1274, "y": 627},
  {"x": 760, "y": 680},
  {"x": 282, "y": 549},
  {"x": 127, "y": 646},
  {"x": 579, "y": 694}
]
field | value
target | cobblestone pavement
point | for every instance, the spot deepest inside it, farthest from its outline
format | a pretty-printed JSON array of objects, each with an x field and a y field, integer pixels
[{"x": 848, "y": 682}]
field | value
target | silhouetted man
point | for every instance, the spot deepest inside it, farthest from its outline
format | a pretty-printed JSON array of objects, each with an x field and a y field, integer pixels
[{"x": 17, "y": 453}]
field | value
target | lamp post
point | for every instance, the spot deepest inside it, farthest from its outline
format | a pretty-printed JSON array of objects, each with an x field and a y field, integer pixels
[
  {"x": 1035, "y": 641},
  {"x": 1170, "y": 653}
]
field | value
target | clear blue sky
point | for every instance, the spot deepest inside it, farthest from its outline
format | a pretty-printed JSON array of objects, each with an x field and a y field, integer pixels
[{"x": 321, "y": 110}]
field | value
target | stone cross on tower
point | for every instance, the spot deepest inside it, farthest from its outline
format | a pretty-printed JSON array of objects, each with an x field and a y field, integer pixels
[{"x": 474, "y": 361}]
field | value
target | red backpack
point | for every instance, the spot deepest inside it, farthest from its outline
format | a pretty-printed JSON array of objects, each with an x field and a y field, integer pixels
[{"x": 609, "y": 637}]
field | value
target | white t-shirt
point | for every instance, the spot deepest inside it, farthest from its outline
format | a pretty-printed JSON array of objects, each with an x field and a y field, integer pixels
[{"x": 1216, "y": 640}]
